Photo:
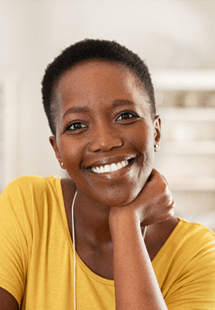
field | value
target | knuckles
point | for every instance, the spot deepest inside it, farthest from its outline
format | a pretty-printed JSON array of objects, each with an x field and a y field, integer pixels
[{"x": 159, "y": 204}]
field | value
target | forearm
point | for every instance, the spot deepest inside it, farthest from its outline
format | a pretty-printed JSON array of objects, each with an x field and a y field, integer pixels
[{"x": 136, "y": 286}]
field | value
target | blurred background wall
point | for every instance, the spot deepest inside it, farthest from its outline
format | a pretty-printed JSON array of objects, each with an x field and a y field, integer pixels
[{"x": 175, "y": 38}]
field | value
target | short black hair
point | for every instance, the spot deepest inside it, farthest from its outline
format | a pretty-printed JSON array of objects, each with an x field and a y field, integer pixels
[{"x": 91, "y": 49}]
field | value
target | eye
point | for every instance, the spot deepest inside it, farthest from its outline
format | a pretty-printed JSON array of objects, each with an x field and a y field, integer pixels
[
  {"x": 126, "y": 116},
  {"x": 76, "y": 126}
]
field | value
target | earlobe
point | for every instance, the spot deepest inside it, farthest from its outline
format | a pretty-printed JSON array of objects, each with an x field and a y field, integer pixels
[
  {"x": 53, "y": 142},
  {"x": 157, "y": 132}
]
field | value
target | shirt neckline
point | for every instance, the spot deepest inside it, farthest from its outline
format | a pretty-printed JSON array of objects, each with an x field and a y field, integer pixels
[
  {"x": 81, "y": 264},
  {"x": 79, "y": 261}
]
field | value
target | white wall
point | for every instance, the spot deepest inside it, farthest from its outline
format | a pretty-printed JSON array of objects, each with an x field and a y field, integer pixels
[
  {"x": 22, "y": 53},
  {"x": 167, "y": 34}
]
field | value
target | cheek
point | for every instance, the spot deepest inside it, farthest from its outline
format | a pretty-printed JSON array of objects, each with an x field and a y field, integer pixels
[
  {"x": 143, "y": 140},
  {"x": 71, "y": 154},
  {"x": 144, "y": 143}
]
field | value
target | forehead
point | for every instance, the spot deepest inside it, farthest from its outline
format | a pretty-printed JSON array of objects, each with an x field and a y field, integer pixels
[
  {"x": 101, "y": 80},
  {"x": 100, "y": 66}
]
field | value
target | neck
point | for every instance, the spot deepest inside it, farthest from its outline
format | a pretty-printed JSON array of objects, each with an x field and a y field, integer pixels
[{"x": 91, "y": 219}]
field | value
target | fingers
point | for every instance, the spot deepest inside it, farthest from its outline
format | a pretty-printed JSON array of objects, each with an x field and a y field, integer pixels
[
  {"x": 160, "y": 214},
  {"x": 159, "y": 203},
  {"x": 157, "y": 174},
  {"x": 171, "y": 212}
]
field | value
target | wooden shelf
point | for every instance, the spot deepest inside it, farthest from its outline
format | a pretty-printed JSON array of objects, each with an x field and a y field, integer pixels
[{"x": 186, "y": 103}]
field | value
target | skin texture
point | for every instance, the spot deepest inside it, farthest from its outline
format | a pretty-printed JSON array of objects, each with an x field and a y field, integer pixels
[
  {"x": 7, "y": 301},
  {"x": 117, "y": 126},
  {"x": 104, "y": 118}
]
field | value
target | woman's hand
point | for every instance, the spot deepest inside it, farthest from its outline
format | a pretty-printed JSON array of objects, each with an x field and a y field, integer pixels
[
  {"x": 154, "y": 203},
  {"x": 136, "y": 286}
]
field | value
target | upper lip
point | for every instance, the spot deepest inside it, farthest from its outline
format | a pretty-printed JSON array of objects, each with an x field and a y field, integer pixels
[{"x": 108, "y": 160}]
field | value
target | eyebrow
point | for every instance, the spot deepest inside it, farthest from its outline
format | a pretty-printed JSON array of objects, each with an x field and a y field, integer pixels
[
  {"x": 85, "y": 109},
  {"x": 121, "y": 102},
  {"x": 77, "y": 109}
]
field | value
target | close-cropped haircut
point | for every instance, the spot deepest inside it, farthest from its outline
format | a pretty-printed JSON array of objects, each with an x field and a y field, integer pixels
[{"x": 86, "y": 50}]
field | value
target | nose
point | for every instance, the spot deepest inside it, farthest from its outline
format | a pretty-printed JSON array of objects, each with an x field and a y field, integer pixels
[{"x": 105, "y": 138}]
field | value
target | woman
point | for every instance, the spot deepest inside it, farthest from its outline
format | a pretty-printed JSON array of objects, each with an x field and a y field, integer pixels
[{"x": 128, "y": 251}]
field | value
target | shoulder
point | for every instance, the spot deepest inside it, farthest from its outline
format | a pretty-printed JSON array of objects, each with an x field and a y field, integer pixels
[
  {"x": 187, "y": 244},
  {"x": 26, "y": 192},
  {"x": 193, "y": 244},
  {"x": 29, "y": 180},
  {"x": 30, "y": 183},
  {"x": 186, "y": 267},
  {"x": 186, "y": 262},
  {"x": 194, "y": 233}
]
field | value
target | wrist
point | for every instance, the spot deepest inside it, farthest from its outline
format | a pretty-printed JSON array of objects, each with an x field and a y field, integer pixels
[{"x": 121, "y": 220}]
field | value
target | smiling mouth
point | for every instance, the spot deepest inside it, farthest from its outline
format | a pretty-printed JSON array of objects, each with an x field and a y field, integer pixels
[{"x": 112, "y": 167}]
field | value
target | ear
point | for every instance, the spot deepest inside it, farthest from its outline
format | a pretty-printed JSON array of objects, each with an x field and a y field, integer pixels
[
  {"x": 157, "y": 132},
  {"x": 53, "y": 142}
]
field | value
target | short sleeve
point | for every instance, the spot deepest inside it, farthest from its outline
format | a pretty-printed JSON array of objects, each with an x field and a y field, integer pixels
[
  {"x": 15, "y": 238},
  {"x": 194, "y": 288}
]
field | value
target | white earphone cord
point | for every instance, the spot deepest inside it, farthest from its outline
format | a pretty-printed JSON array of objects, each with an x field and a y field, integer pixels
[{"x": 74, "y": 252}]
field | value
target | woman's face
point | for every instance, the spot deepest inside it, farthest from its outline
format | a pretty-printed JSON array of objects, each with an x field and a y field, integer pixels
[{"x": 105, "y": 133}]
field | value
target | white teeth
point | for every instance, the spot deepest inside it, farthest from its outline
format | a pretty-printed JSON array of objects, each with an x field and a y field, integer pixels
[
  {"x": 122, "y": 164},
  {"x": 107, "y": 168},
  {"x": 119, "y": 166},
  {"x": 113, "y": 167},
  {"x": 101, "y": 169},
  {"x": 110, "y": 168}
]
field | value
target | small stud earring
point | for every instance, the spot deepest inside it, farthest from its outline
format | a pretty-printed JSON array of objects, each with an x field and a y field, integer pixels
[
  {"x": 156, "y": 146},
  {"x": 62, "y": 164}
]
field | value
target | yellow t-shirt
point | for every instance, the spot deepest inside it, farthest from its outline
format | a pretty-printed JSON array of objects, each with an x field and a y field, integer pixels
[{"x": 36, "y": 256}]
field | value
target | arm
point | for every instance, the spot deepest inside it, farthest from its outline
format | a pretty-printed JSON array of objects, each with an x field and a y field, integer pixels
[
  {"x": 7, "y": 301},
  {"x": 14, "y": 237},
  {"x": 136, "y": 286}
]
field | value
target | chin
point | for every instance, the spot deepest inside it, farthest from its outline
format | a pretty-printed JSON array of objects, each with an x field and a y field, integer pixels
[
  {"x": 118, "y": 198},
  {"x": 116, "y": 193}
]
